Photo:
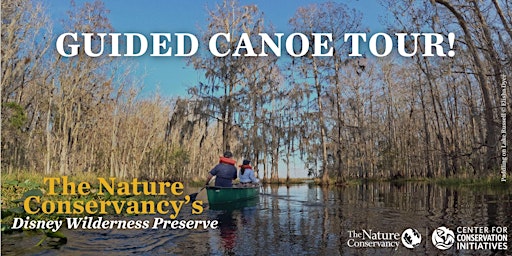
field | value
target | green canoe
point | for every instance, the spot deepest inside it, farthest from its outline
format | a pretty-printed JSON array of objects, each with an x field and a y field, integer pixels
[{"x": 221, "y": 195}]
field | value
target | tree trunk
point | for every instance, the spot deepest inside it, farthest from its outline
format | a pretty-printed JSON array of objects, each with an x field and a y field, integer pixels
[
  {"x": 491, "y": 131},
  {"x": 321, "y": 124}
]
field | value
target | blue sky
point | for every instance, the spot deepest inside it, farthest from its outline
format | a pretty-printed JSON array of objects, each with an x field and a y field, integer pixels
[{"x": 171, "y": 76}]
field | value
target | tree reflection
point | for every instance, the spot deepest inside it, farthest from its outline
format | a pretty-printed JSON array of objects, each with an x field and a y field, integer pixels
[{"x": 298, "y": 219}]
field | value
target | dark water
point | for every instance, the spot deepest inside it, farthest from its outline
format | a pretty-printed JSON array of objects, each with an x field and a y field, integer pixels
[{"x": 300, "y": 220}]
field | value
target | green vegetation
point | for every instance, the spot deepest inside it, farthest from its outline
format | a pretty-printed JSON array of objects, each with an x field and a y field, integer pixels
[
  {"x": 17, "y": 187},
  {"x": 492, "y": 182},
  {"x": 473, "y": 182}
]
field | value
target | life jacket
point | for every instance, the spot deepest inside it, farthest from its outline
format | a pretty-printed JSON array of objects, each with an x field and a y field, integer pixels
[
  {"x": 243, "y": 167},
  {"x": 225, "y": 160}
]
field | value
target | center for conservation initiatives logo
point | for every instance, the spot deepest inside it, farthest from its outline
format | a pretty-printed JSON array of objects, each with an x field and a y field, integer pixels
[
  {"x": 471, "y": 238},
  {"x": 443, "y": 238}
]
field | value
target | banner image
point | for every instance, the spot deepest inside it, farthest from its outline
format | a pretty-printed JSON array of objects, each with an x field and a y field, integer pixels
[{"x": 239, "y": 127}]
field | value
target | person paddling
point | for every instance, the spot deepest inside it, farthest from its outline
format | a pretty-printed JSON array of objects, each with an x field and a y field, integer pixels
[
  {"x": 247, "y": 173},
  {"x": 225, "y": 171}
]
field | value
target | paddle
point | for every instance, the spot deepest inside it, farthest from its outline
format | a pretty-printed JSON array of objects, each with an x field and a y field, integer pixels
[{"x": 194, "y": 195}]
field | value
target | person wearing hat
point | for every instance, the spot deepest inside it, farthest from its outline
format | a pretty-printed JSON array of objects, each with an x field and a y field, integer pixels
[
  {"x": 224, "y": 172},
  {"x": 247, "y": 173}
]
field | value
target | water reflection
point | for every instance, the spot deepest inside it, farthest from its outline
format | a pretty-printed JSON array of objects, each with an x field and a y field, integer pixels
[
  {"x": 304, "y": 220},
  {"x": 227, "y": 228},
  {"x": 230, "y": 217}
]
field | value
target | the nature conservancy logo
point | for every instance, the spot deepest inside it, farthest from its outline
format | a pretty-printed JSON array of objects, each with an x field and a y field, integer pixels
[
  {"x": 411, "y": 238},
  {"x": 471, "y": 238},
  {"x": 369, "y": 238},
  {"x": 443, "y": 238}
]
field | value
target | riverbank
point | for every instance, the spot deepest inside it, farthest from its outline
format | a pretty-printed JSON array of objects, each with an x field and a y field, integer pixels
[{"x": 475, "y": 183}]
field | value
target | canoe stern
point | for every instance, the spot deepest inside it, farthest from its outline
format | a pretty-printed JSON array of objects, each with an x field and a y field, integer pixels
[{"x": 221, "y": 195}]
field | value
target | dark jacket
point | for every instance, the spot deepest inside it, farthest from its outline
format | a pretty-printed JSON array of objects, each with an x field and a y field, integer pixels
[{"x": 225, "y": 174}]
